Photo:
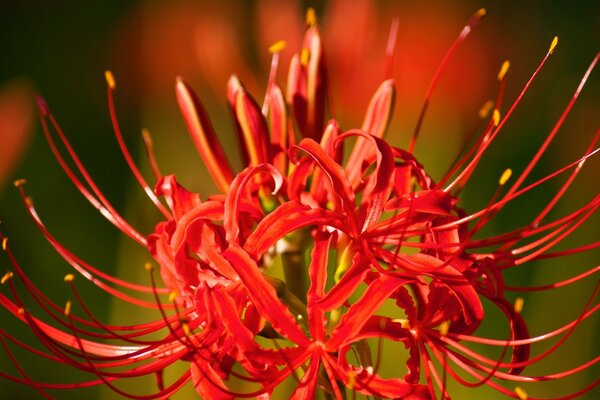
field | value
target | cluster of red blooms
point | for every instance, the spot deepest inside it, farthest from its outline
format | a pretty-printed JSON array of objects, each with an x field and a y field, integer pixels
[{"x": 350, "y": 235}]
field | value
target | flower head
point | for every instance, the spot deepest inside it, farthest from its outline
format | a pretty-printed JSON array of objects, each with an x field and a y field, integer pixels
[{"x": 373, "y": 250}]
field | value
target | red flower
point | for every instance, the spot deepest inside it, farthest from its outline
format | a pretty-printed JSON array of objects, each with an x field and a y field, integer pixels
[{"x": 351, "y": 236}]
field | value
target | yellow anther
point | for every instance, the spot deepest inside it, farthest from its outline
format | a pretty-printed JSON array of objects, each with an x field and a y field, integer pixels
[
  {"x": 68, "y": 308},
  {"x": 403, "y": 322},
  {"x": 485, "y": 109},
  {"x": 505, "y": 176},
  {"x": 481, "y": 13},
  {"x": 19, "y": 182},
  {"x": 172, "y": 296},
  {"x": 444, "y": 328},
  {"x": 503, "y": 70},
  {"x": 311, "y": 17},
  {"x": 351, "y": 380},
  {"x": 148, "y": 267},
  {"x": 553, "y": 45},
  {"x": 69, "y": 278},
  {"x": 4, "y": 243},
  {"x": 110, "y": 79},
  {"x": 304, "y": 56},
  {"x": 146, "y": 135},
  {"x": 277, "y": 46},
  {"x": 496, "y": 117},
  {"x": 21, "y": 311},
  {"x": 519, "y": 305},
  {"x": 6, "y": 277},
  {"x": 186, "y": 328},
  {"x": 521, "y": 393}
]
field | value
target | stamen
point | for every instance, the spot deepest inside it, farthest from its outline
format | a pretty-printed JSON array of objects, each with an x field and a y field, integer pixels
[
  {"x": 505, "y": 176},
  {"x": 6, "y": 277},
  {"x": 148, "y": 267},
  {"x": 69, "y": 278},
  {"x": 518, "y": 307},
  {"x": 521, "y": 393},
  {"x": 4, "y": 244},
  {"x": 503, "y": 70},
  {"x": 110, "y": 80},
  {"x": 311, "y": 17},
  {"x": 68, "y": 308},
  {"x": 19, "y": 182},
  {"x": 351, "y": 380}
]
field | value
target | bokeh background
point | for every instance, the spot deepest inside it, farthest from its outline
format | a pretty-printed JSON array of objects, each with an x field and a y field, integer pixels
[{"x": 61, "y": 49}]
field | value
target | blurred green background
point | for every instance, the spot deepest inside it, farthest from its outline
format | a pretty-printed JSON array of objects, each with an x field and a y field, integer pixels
[{"x": 61, "y": 49}]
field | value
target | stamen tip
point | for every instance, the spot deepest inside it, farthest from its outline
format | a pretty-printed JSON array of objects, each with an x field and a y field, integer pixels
[
  {"x": 148, "y": 267},
  {"x": 69, "y": 278},
  {"x": 19, "y": 182},
  {"x": 311, "y": 17},
  {"x": 505, "y": 176},
  {"x": 4, "y": 244},
  {"x": 521, "y": 393},
  {"x": 110, "y": 79},
  {"x": 482, "y": 12},
  {"x": 6, "y": 276},
  {"x": 553, "y": 45},
  {"x": 304, "y": 56},
  {"x": 172, "y": 296},
  {"x": 518, "y": 307},
  {"x": 503, "y": 70},
  {"x": 496, "y": 117},
  {"x": 21, "y": 311},
  {"x": 484, "y": 111},
  {"x": 444, "y": 328},
  {"x": 186, "y": 328},
  {"x": 277, "y": 46},
  {"x": 68, "y": 308}
]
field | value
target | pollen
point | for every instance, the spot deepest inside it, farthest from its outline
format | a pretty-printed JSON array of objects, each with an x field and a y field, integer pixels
[
  {"x": 503, "y": 70},
  {"x": 311, "y": 17},
  {"x": 4, "y": 243},
  {"x": 19, "y": 182},
  {"x": 482, "y": 12},
  {"x": 110, "y": 79},
  {"x": 496, "y": 117},
  {"x": 69, "y": 278},
  {"x": 553, "y": 45},
  {"x": 21, "y": 311},
  {"x": 521, "y": 393},
  {"x": 485, "y": 109},
  {"x": 505, "y": 176},
  {"x": 6, "y": 277},
  {"x": 444, "y": 328},
  {"x": 518, "y": 307},
  {"x": 277, "y": 46},
  {"x": 148, "y": 267},
  {"x": 68, "y": 308}
]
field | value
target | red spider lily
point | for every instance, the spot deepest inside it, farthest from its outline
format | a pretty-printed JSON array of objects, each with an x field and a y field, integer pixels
[{"x": 350, "y": 235}]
